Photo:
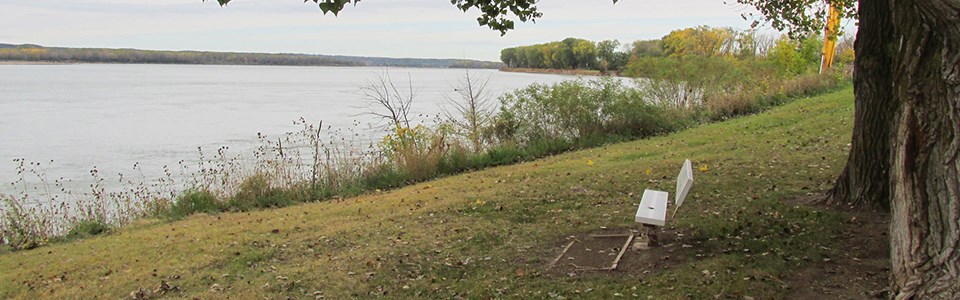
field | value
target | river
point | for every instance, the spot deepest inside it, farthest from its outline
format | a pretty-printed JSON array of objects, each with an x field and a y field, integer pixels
[{"x": 76, "y": 117}]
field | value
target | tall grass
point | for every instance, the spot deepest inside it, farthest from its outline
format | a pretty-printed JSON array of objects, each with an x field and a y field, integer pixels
[{"x": 317, "y": 163}]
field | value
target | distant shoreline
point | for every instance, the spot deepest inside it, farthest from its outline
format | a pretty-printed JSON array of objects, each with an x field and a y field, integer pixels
[
  {"x": 27, "y": 62},
  {"x": 577, "y": 72},
  {"x": 37, "y": 55},
  {"x": 53, "y": 63}
]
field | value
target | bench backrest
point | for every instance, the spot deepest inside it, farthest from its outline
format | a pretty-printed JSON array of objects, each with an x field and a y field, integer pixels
[{"x": 684, "y": 182}]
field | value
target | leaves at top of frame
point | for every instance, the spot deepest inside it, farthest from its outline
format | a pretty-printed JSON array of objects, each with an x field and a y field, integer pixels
[
  {"x": 326, "y": 6},
  {"x": 797, "y": 17}
]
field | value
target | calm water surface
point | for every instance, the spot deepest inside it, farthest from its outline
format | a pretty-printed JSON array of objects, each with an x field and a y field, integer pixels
[{"x": 113, "y": 116}]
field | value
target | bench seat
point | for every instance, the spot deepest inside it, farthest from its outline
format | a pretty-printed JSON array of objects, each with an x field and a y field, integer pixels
[{"x": 653, "y": 208}]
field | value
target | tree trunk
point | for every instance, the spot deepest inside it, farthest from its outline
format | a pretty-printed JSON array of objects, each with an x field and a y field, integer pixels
[
  {"x": 865, "y": 179},
  {"x": 925, "y": 226},
  {"x": 906, "y": 140}
]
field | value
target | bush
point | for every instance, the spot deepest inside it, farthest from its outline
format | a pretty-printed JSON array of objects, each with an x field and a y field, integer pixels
[
  {"x": 256, "y": 192},
  {"x": 87, "y": 228},
  {"x": 809, "y": 85},
  {"x": 415, "y": 152},
  {"x": 547, "y": 146},
  {"x": 21, "y": 229},
  {"x": 457, "y": 159},
  {"x": 383, "y": 176},
  {"x": 500, "y": 155},
  {"x": 582, "y": 113},
  {"x": 725, "y": 106},
  {"x": 193, "y": 201},
  {"x": 634, "y": 117}
]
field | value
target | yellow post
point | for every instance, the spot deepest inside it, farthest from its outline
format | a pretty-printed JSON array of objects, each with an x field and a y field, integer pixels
[{"x": 830, "y": 38}]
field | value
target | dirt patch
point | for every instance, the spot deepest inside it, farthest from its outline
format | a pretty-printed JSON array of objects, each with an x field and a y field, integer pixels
[
  {"x": 591, "y": 252},
  {"x": 857, "y": 269},
  {"x": 860, "y": 266}
]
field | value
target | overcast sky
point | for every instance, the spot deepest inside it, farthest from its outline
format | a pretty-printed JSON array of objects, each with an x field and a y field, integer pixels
[{"x": 392, "y": 28}]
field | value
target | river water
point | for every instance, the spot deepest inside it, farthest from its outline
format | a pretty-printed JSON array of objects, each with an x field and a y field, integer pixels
[{"x": 72, "y": 118}]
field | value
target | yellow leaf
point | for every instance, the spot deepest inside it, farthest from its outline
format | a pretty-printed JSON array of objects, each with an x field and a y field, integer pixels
[
  {"x": 704, "y": 168},
  {"x": 648, "y": 171},
  {"x": 589, "y": 162}
]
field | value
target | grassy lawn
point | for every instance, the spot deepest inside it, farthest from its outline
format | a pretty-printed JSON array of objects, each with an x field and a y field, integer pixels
[{"x": 492, "y": 233}]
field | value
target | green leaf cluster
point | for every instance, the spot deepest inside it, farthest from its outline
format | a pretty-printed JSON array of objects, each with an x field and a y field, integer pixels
[
  {"x": 797, "y": 17},
  {"x": 327, "y": 6},
  {"x": 498, "y": 15}
]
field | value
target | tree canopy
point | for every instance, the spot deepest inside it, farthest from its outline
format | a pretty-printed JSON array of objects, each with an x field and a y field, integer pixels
[
  {"x": 797, "y": 17},
  {"x": 571, "y": 53},
  {"x": 498, "y": 15}
]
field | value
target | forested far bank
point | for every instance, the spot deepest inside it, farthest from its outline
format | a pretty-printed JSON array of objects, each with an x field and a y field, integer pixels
[
  {"x": 692, "y": 66},
  {"x": 780, "y": 53},
  {"x": 36, "y": 53}
]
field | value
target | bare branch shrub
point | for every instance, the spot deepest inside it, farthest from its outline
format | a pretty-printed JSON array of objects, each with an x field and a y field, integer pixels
[
  {"x": 471, "y": 109},
  {"x": 388, "y": 102}
]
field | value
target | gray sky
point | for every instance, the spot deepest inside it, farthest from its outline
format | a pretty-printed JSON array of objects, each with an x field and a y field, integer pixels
[{"x": 393, "y": 28}]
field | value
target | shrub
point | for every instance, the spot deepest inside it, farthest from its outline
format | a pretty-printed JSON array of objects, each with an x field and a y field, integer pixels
[
  {"x": 383, "y": 176},
  {"x": 21, "y": 229},
  {"x": 500, "y": 155},
  {"x": 457, "y": 159},
  {"x": 87, "y": 228},
  {"x": 731, "y": 105},
  {"x": 503, "y": 128},
  {"x": 808, "y": 85},
  {"x": 582, "y": 113},
  {"x": 157, "y": 208},
  {"x": 547, "y": 146},
  {"x": 256, "y": 192},
  {"x": 632, "y": 116},
  {"x": 726, "y": 106},
  {"x": 415, "y": 152},
  {"x": 193, "y": 201}
]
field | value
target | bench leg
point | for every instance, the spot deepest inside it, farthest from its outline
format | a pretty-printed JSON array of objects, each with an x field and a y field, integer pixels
[
  {"x": 652, "y": 240},
  {"x": 648, "y": 238}
]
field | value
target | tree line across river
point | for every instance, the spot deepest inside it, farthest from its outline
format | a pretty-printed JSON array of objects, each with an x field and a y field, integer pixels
[{"x": 28, "y": 52}]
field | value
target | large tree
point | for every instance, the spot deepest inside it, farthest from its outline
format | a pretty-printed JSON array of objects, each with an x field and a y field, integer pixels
[
  {"x": 905, "y": 149},
  {"x": 906, "y": 138}
]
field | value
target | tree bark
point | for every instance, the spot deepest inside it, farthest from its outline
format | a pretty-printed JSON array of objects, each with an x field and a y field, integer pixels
[
  {"x": 925, "y": 189},
  {"x": 906, "y": 140},
  {"x": 865, "y": 179}
]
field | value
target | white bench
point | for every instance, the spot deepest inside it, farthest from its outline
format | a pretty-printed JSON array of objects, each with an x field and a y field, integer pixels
[{"x": 653, "y": 205}]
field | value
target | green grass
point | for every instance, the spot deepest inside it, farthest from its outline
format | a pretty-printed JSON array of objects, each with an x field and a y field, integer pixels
[{"x": 490, "y": 233}]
